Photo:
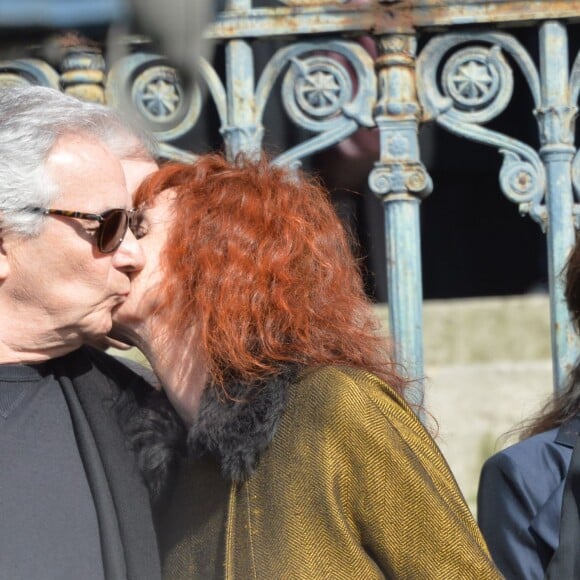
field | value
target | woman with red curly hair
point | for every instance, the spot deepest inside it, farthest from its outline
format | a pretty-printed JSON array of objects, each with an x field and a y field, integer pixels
[{"x": 302, "y": 459}]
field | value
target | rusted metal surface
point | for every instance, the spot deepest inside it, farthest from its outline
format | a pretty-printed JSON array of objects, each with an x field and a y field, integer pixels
[
  {"x": 289, "y": 21},
  {"x": 400, "y": 179},
  {"x": 429, "y": 13},
  {"x": 383, "y": 17}
]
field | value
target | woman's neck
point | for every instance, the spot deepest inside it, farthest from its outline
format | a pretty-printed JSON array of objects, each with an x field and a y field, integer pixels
[{"x": 180, "y": 368}]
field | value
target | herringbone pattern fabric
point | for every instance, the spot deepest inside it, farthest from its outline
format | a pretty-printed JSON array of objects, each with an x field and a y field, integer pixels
[{"x": 352, "y": 487}]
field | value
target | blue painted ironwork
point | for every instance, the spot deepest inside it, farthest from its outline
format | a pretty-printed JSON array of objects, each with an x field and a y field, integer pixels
[
  {"x": 400, "y": 179},
  {"x": 330, "y": 86},
  {"x": 28, "y": 71},
  {"x": 474, "y": 86},
  {"x": 556, "y": 116}
]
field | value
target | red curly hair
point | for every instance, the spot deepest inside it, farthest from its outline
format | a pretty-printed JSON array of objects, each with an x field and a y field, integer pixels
[{"x": 261, "y": 265}]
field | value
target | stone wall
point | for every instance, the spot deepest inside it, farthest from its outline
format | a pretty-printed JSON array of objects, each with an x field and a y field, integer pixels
[{"x": 488, "y": 368}]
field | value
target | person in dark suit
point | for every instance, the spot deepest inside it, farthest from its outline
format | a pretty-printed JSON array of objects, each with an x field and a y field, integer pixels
[
  {"x": 72, "y": 500},
  {"x": 528, "y": 493}
]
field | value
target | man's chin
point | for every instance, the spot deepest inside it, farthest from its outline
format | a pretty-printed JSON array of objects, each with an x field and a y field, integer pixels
[{"x": 104, "y": 342}]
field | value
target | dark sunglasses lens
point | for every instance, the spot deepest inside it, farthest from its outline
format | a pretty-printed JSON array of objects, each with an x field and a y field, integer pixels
[
  {"x": 113, "y": 230},
  {"x": 136, "y": 221}
]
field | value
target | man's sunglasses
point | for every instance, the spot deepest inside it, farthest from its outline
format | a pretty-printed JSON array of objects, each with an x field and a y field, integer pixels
[{"x": 113, "y": 224}]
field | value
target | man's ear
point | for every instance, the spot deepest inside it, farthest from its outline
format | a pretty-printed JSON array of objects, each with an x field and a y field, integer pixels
[{"x": 4, "y": 263}]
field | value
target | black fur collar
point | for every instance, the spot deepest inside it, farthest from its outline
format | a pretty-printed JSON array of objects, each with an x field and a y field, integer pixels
[
  {"x": 234, "y": 431},
  {"x": 238, "y": 429},
  {"x": 156, "y": 435}
]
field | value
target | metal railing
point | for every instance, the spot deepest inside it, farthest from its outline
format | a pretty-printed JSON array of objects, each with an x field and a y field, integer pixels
[{"x": 330, "y": 86}]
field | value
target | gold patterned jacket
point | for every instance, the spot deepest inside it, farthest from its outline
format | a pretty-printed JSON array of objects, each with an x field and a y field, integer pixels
[{"x": 326, "y": 476}]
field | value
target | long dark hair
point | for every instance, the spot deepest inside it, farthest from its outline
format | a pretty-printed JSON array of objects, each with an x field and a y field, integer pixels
[{"x": 565, "y": 404}]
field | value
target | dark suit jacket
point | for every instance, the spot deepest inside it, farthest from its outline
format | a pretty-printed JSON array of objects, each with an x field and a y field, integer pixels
[
  {"x": 92, "y": 383},
  {"x": 520, "y": 499}
]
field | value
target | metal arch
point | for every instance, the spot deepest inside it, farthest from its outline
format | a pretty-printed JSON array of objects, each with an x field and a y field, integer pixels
[
  {"x": 540, "y": 182},
  {"x": 477, "y": 86},
  {"x": 146, "y": 84},
  {"x": 28, "y": 71},
  {"x": 335, "y": 108}
]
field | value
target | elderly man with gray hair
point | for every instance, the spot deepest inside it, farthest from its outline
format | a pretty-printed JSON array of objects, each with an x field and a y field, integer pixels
[{"x": 72, "y": 502}]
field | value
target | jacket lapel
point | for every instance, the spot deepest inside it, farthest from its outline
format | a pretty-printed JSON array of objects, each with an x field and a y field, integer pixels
[
  {"x": 122, "y": 501},
  {"x": 546, "y": 523},
  {"x": 566, "y": 560},
  {"x": 111, "y": 545}
]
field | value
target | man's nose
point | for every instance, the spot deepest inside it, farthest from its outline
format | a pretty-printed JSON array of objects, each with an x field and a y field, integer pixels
[{"x": 129, "y": 256}]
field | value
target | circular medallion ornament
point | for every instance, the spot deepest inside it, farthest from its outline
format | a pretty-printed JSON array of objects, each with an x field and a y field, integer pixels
[
  {"x": 315, "y": 90},
  {"x": 147, "y": 83},
  {"x": 157, "y": 94},
  {"x": 479, "y": 82}
]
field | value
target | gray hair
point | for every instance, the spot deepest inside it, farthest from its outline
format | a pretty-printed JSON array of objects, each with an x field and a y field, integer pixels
[{"x": 32, "y": 119}]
